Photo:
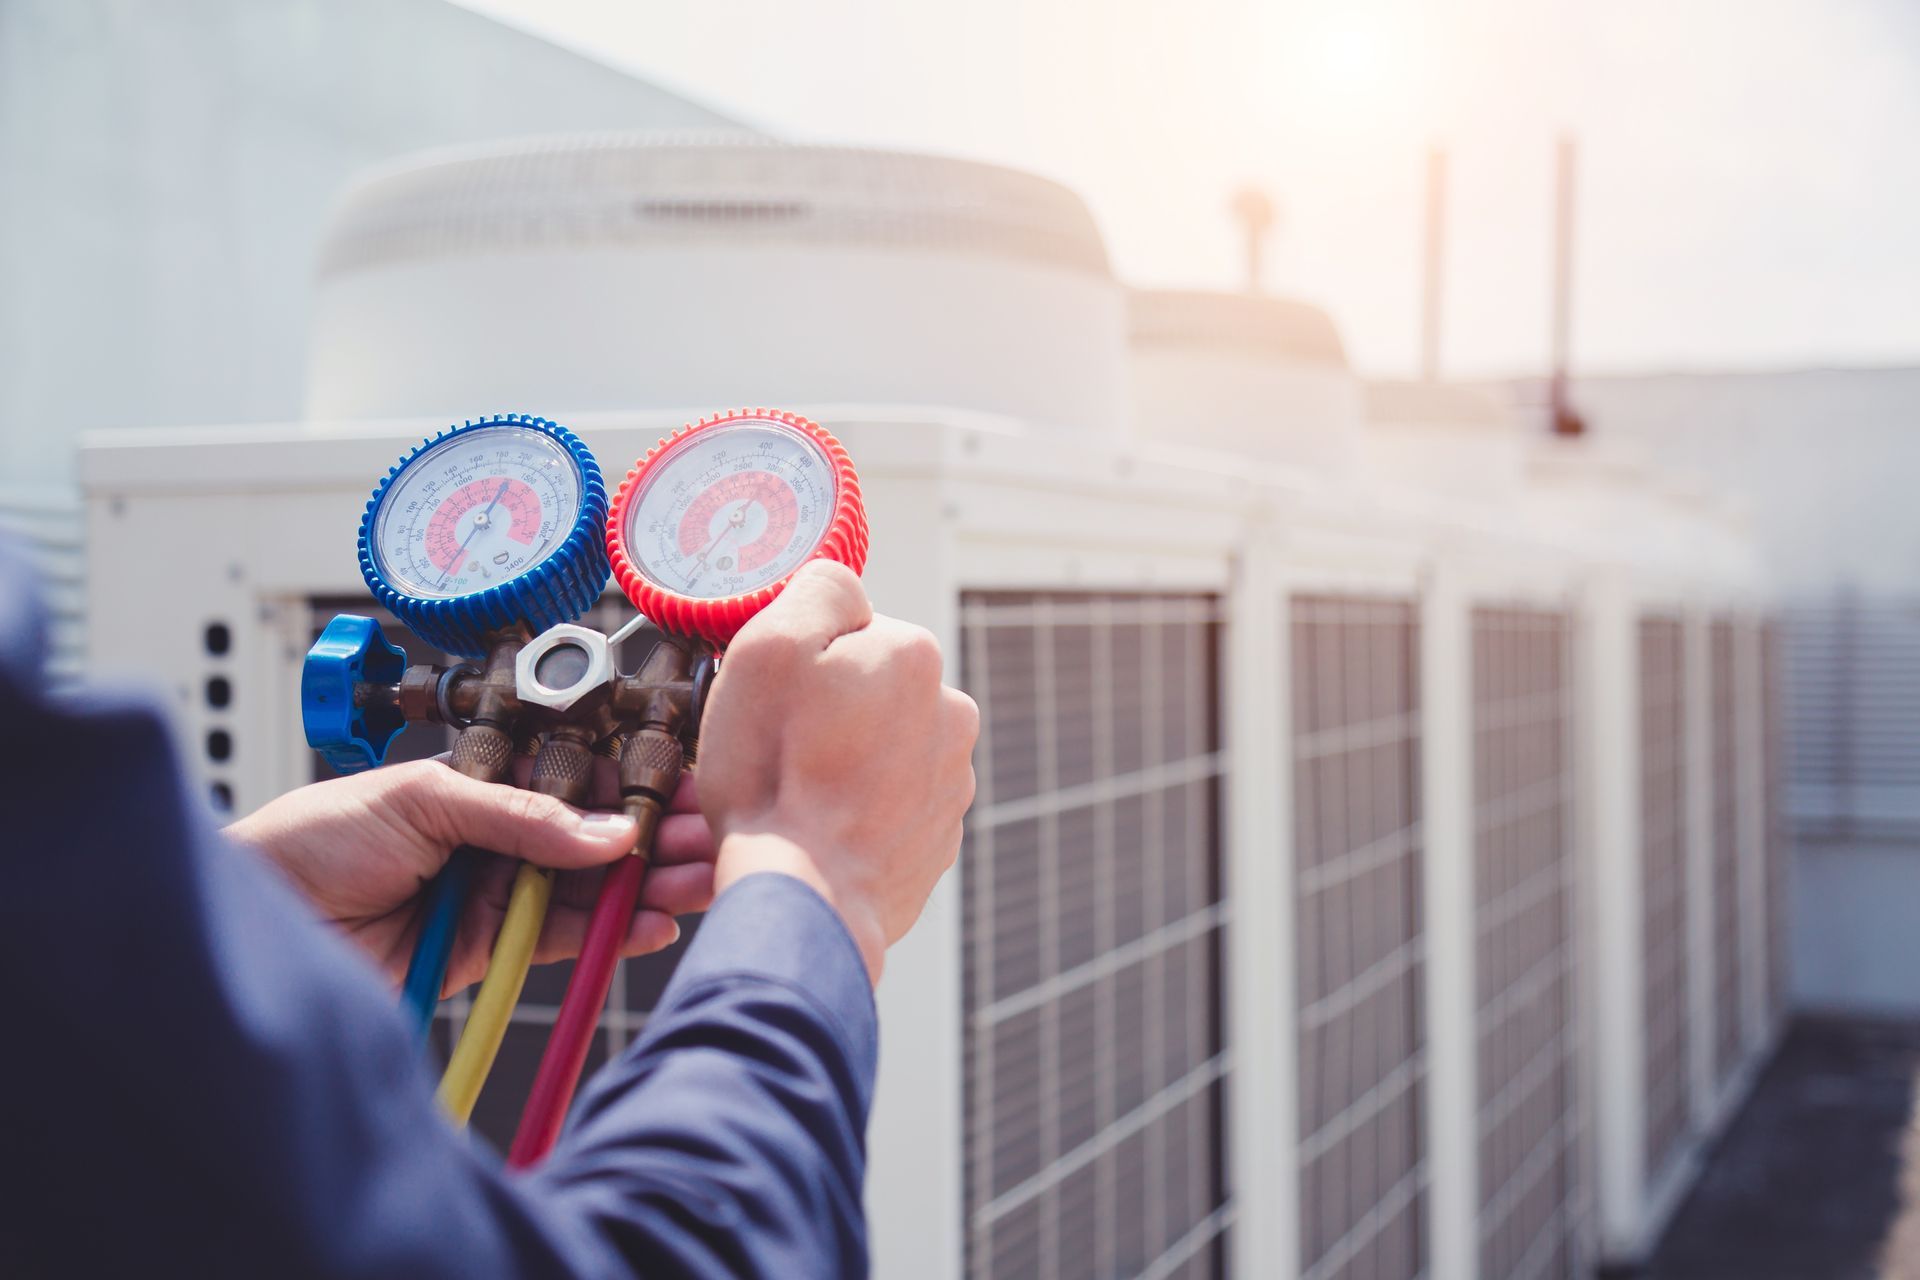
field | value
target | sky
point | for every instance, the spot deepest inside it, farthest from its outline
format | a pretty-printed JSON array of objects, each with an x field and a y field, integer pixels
[{"x": 1748, "y": 173}]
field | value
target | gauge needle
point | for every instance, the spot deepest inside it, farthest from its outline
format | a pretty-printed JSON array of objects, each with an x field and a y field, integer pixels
[
  {"x": 735, "y": 521},
  {"x": 479, "y": 522}
]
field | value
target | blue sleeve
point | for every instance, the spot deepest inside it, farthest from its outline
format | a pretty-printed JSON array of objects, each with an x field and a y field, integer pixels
[{"x": 203, "y": 1080}]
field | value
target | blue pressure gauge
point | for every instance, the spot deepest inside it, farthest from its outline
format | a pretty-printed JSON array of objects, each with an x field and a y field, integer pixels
[{"x": 500, "y": 521}]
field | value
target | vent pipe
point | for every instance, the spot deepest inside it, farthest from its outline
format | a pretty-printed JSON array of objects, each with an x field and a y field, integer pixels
[
  {"x": 1254, "y": 210},
  {"x": 1566, "y": 422},
  {"x": 1436, "y": 231}
]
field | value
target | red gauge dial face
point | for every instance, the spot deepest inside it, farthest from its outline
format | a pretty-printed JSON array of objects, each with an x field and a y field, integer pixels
[
  {"x": 742, "y": 522},
  {"x": 731, "y": 510},
  {"x": 478, "y": 509}
]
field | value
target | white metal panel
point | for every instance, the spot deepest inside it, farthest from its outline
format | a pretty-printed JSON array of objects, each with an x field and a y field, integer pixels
[
  {"x": 1448, "y": 661},
  {"x": 914, "y": 1141},
  {"x": 1607, "y": 663},
  {"x": 1263, "y": 1092}
]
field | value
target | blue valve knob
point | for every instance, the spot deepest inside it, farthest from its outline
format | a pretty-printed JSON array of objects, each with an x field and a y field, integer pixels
[{"x": 351, "y": 733}]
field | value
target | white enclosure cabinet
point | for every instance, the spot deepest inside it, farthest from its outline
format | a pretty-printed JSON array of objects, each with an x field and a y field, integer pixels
[{"x": 1363, "y": 881}]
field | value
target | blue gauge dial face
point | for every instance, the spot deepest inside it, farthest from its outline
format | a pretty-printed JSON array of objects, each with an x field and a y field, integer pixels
[{"x": 475, "y": 510}]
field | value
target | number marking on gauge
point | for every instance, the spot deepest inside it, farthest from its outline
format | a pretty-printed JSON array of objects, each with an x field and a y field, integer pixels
[{"x": 480, "y": 508}]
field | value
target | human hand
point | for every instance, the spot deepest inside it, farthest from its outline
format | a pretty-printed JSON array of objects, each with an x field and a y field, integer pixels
[
  {"x": 831, "y": 751},
  {"x": 362, "y": 849}
]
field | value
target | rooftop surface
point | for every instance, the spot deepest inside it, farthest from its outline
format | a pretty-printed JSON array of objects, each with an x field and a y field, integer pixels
[{"x": 1819, "y": 1177}]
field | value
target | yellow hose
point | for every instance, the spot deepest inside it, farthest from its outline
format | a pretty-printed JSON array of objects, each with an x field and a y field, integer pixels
[{"x": 493, "y": 1007}]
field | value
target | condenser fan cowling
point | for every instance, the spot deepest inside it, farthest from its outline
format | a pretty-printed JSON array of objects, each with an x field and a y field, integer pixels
[{"x": 620, "y": 272}]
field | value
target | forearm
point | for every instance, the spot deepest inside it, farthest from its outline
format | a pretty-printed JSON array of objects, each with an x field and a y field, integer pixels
[
  {"x": 731, "y": 1139},
  {"x": 744, "y": 855}
]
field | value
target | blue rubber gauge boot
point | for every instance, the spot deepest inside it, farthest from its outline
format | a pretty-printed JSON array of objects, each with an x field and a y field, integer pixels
[{"x": 496, "y": 523}]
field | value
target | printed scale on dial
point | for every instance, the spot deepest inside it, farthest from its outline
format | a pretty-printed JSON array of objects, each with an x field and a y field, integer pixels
[{"x": 475, "y": 510}]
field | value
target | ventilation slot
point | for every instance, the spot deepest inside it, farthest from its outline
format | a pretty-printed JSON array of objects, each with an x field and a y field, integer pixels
[
  {"x": 1726, "y": 852},
  {"x": 1664, "y": 887},
  {"x": 1357, "y": 860},
  {"x": 1531, "y": 1138}
]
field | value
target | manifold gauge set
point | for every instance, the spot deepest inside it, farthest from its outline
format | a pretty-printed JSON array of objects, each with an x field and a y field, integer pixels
[{"x": 490, "y": 542}]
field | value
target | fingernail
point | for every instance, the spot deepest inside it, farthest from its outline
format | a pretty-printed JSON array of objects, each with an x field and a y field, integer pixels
[{"x": 605, "y": 824}]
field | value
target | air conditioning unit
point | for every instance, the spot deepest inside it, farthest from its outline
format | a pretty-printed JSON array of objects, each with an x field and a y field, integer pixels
[{"x": 1374, "y": 870}]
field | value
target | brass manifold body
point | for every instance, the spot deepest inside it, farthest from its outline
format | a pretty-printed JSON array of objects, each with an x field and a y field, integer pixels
[{"x": 559, "y": 694}]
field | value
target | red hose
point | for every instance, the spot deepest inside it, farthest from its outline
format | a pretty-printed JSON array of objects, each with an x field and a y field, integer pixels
[{"x": 580, "y": 1008}]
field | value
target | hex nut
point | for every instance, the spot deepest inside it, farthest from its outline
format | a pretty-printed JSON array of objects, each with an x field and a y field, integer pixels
[{"x": 598, "y": 670}]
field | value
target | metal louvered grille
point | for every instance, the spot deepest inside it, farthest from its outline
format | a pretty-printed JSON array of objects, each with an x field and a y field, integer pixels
[
  {"x": 1358, "y": 869},
  {"x": 1854, "y": 679},
  {"x": 1779, "y": 868},
  {"x": 1726, "y": 852},
  {"x": 49, "y": 527},
  {"x": 1532, "y": 1197},
  {"x": 1092, "y": 920},
  {"x": 1663, "y": 884},
  {"x": 637, "y": 983}
]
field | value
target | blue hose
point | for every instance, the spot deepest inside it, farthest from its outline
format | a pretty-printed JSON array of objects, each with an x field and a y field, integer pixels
[{"x": 427, "y": 971}]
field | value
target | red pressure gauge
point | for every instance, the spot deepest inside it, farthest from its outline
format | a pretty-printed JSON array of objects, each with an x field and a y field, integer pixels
[{"x": 708, "y": 527}]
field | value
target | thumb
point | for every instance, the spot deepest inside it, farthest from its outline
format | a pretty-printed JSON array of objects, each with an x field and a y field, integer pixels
[
  {"x": 524, "y": 824},
  {"x": 821, "y": 602}
]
